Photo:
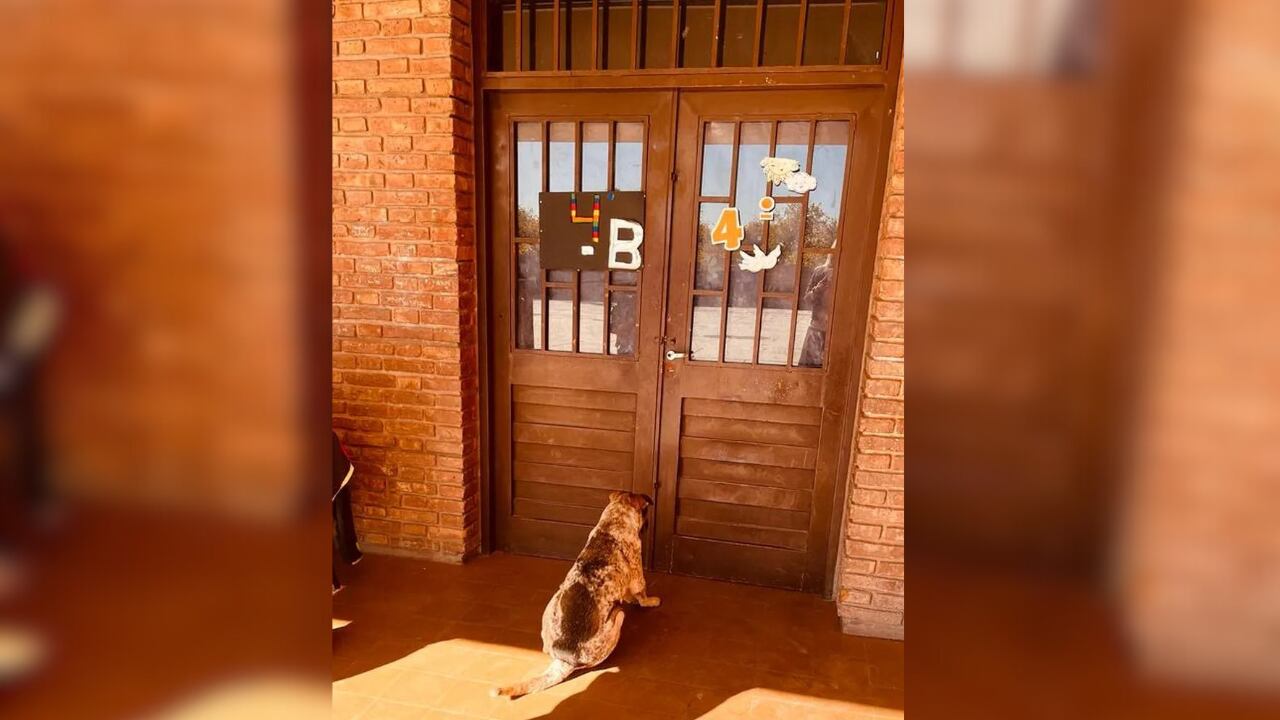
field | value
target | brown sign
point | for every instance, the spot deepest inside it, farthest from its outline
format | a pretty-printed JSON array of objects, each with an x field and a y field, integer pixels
[{"x": 591, "y": 241}]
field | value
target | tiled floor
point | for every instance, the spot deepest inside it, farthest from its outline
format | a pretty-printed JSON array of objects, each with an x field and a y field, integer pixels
[{"x": 429, "y": 641}]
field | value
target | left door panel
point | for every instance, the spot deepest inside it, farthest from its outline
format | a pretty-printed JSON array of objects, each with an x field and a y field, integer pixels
[{"x": 575, "y": 354}]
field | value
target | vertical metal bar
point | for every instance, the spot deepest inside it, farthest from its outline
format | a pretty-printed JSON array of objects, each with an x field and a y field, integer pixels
[
  {"x": 555, "y": 34},
  {"x": 728, "y": 256},
  {"x": 844, "y": 33},
  {"x": 608, "y": 280},
  {"x": 804, "y": 221},
  {"x": 804, "y": 12},
  {"x": 717, "y": 20},
  {"x": 595, "y": 34},
  {"x": 635, "y": 34},
  {"x": 542, "y": 273},
  {"x": 577, "y": 274},
  {"x": 519, "y": 35},
  {"x": 764, "y": 236},
  {"x": 759, "y": 38},
  {"x": 675, "y": 33}
]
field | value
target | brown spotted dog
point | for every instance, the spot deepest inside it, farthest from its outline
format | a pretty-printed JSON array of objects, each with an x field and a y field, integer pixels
[{"x": 581, "y": 624}]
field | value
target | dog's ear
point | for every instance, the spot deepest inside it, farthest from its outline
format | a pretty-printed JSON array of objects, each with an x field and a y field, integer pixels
[
  {"x": 616, "y": 495},
  {"x": 639, "y": 502}
]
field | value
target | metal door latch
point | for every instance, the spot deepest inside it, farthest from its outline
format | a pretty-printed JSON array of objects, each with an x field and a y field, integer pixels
[{"x": 673, "y": 355}]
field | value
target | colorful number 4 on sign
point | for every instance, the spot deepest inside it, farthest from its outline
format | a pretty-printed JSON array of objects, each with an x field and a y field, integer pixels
[{"x": 728, "y": 230}]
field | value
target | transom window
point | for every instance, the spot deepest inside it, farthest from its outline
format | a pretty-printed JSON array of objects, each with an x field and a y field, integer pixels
[{"x": 540, "y": 35}]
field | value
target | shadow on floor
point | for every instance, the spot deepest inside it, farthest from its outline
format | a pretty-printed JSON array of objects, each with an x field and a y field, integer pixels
[{"x": 438, "y": 637}]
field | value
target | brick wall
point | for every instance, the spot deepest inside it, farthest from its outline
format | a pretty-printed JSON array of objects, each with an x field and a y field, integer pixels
[
  {"x": 405, "y": 379},
  {"x": 870, "y": 597}
]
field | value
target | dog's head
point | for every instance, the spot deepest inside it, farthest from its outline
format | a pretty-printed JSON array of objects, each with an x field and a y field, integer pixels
[{"x": 635, "y": 500}]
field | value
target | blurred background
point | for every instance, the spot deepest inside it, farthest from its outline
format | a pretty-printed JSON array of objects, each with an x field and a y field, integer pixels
[
  {"x": 1094, "y": 471},
  {"x": 1093, "y": 474},
  {"x": 164, "y": 520}
]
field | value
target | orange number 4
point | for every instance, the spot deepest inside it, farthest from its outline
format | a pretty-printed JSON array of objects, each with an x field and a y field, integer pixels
[{"x": 728, "y": 230}]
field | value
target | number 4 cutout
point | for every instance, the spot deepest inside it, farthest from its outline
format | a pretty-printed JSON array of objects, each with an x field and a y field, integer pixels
[{"x": 728, "y": 230}]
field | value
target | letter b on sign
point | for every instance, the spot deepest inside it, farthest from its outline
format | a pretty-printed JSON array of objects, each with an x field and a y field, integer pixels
[{"x": 629, "y": 248}]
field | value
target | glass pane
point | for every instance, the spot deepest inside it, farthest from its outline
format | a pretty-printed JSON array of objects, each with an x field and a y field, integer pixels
[
  {"x": 830, "y": 151},
  {"x": 705, "y": 335},
  {"x": 561, "y": 152},
  {"x": 628, "y": 153},
  {"x": 709, "y": 271},
  {"x": 528, "y": 177},
  {"x": 775, "y": 328},
  {"x": 560, "y": 314},
  {"x": 622, "y": 323},
  {"x": 740, "y": 330},
  {"x": 753, "y": 146},
  {"x": 793, "y": 143},
  {"x": 615, "y": 22},
  {"x": 537, "y": 48},
  {"x": 781, "y": 22},
  {"x": 822, "y": 26},
  {"x": 561, "y": 276},
  {"x": 655, "y": 34},
  {"x": 595, "y": 157},
  {"x": 528, "y": 298},
  {"x": 625, "y": 277},
  {"x": 502, "y": 36},
  {"x": 577, "y": 34},
  {"x": 591, "y": 312},
  {"x": 866, "y": 29},
  {"x": 717, "y": 159},
  {"x": 695, "y": 33},
  {"x": 784, "y": 231},
  {"x": 817, "y": 282},
  {"x": 739, "y": 33}
]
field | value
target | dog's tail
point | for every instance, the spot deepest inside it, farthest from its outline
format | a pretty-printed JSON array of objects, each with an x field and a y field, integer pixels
[{"x": 555, "y": 674}]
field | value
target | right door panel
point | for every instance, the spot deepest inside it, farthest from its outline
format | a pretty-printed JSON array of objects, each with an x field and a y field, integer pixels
[{"x": 752, "y": 415}]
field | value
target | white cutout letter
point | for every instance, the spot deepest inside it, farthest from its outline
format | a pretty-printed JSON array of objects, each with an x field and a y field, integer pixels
[
  {"x": 588, "y": 250},
  {"x": 619, "y": 246}
]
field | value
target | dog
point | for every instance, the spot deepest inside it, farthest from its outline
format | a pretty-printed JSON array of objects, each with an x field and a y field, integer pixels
[{"x": 583, "y": 620}]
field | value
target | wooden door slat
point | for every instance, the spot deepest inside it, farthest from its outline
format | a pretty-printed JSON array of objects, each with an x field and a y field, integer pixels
[
  {"x": 739, "y": 563},
  {"x": 565, "y": 397},
  {"x": 556, "y": 512},
  {"x": 561, "y": 475},
  {"x": 574, "y": 417},
  {"x": 794, "y": 414},
  {"x": 563, "y": 494},
  {"x": 578, "y": 458},
  {"x": 562, "y": 436},
  {"x": 777, "y": 456},
  {"x": 715, "y": 428},
  {"x": 745, "y": 494},
  {"x": 745, "y": 534},
  {"x": 744, "y": 474},
  {"x": 744, "y": 515}
]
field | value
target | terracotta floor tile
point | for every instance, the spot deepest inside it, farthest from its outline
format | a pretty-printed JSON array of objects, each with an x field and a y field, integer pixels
[{"x": 430, "y": 641}]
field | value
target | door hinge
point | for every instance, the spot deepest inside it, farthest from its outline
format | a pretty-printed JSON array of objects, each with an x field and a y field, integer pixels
[{"x": 674, "y": 176}]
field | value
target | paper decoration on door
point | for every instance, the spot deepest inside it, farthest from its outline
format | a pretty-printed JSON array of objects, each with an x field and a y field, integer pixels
[
  {"x": 785, "y": 171},
  {"x": 800, "y": 182},
  {"x": 766, "y": 206},
  {"x": 758, "y": 260},
  {"x": 728, "y": 230},
  {"x": 591, "y": 231}
]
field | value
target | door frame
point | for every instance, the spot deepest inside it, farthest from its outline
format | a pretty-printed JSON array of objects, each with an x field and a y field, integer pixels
[{"x": 888, "y": 76}]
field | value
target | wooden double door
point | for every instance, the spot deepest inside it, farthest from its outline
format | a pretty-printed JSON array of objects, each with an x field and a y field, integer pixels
[{"x": 720, "y": 392}]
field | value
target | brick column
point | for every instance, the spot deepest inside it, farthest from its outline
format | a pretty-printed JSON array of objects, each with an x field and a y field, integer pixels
[
  {"x": 870, "y": 589},
  {"x": 405, "y": 386}
]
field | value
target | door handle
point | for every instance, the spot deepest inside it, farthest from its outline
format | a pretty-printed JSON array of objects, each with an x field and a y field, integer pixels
[{"x": 672, "y": 355}]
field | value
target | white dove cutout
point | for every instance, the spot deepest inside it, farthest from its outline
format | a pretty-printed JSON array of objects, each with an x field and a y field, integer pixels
[{"x": 758, "y": 261}]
